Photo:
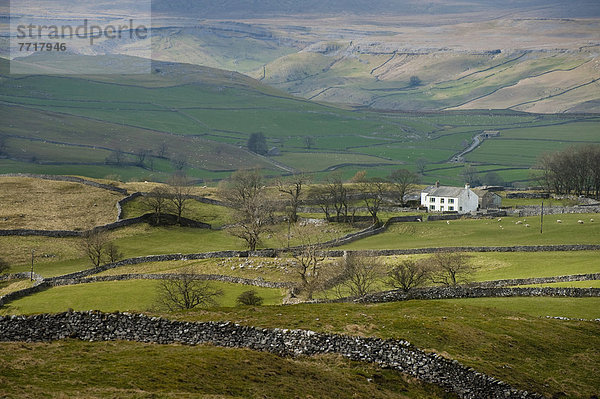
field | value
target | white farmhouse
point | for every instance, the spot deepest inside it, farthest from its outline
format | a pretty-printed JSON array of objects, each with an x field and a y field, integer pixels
[{"x": 454, "y": 199}]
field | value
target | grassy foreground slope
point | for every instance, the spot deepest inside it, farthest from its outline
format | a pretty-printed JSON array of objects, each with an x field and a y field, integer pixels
[{"x": 133, "y": 370}]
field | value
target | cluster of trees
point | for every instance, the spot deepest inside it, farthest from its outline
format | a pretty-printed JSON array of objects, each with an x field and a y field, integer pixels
[
  {"x": 246, "y": 193},
  {"x": 357, "y": 275},
  {"x": 98, "y": 248},
  {"x": 172, "y": 198},
  {"x": 336, "y": 197},
  {"x": 145, "y": 157},
  {"x": 575, "y": 170}
]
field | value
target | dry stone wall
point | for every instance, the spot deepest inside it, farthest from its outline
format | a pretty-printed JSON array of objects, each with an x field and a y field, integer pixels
[
  {"x": 394, "y": 354},
  {"x": 474, "y": 292}
]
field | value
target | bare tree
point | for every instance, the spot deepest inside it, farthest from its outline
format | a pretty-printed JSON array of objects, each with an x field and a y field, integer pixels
[
  {"x": 141, "y": 155},
  {"x": 338, "y": 196},
  {"x": 408, "y": 274},
  {"x": 113, "y": 254},
  {"x": 157, "y": 201},
  {"x": 359, "y": 274},
  {"x": 449, "y": 268},
  {"x": 320, "y": 195},
  {"x": 163, "y": 150},
  {"x": 421, "y": 164},
  {"x": 186, "y": 291},
  {"x": 92, "y": 245},
  {"x": 292, "y": 187},
  {"x": 179, "y": 193},
  {"x": 373, "y": 190},
  {"x": 469, "y": 174},
  {"x": 245, "y": 193},
  {"x": 179, "y": 162},
  {"x": 309, "y": 259},
  {"x": 309, "y": 142},
  {"x": 404, "y": 183}
]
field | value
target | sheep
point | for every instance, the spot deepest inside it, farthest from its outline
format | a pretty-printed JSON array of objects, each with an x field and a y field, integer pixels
[
  {"x": 580, "y": 221},
  {"x": 558, "y": 221},
  {"x": 592, "y": 220},
  {"x": 527, "y": 225},
  {"x": 519, "y": 222},
  {"x": 447, "y": 222},
  {"x": 499, "y": 219}
]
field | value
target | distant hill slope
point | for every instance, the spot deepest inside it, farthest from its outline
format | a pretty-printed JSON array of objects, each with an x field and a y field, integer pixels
[
  {"x": 252, "y": 8},
  {"x": 144, "y": 127}
]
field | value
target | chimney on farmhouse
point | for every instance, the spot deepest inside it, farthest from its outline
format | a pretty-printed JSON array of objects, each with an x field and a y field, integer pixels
[{"x": 437, "y": 183}]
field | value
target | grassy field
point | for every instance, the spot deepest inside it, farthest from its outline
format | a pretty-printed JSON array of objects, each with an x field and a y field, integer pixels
[
  {"x": 134, "y": 295},
  {"x": 527, "y": 351},
  {"x": 52, "y": 205},
  {"x": 485, "y": 232},
  {"x": 129, "y": 370}
]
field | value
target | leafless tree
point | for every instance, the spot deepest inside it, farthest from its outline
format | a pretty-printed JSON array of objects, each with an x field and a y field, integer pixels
[
  {"x": 292, "y": 187},
  {"x": 157, "y": 201},
  {"x": 449, "y": 268},
  {"x": 113, "y": 254},
  {"x": 309, "y": 259},
  {"x": 163, "y": 150},
  {"x": 373, "y": 191},
  {"x": 179, "y": 162},
  {"x": 309, "y": 142},
  {"x": 338, "y": 194},
  {"x": 421, "y": 164},
  {"x": 245, "y": 193},
  {"x": 359, "y": 275},
  {"x": 470, "y": 175},
  {"x": 93, "y": 244},
  {"x": 179, "y": 193},
  {"x": 404, "y": 182},
  {"x": 186, "y": 292},
  {"x": 409, "y": 274},
  {"x": 320, "y": 195},
  {"x": 141, "y": 155},
  {"x": 575, "y": 170}
]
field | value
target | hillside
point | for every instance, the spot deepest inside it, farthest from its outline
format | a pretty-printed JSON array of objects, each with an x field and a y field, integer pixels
[{"x": 144, "y": 127}]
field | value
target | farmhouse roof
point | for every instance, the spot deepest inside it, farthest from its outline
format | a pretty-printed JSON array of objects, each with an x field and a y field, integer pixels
[{"x": 444, "y": 191}]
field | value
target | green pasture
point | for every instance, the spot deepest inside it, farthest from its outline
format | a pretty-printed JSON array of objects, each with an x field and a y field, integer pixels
[
  {"x": 200, "y": 116},
  {"x": 485, "y": 232},
  {"x": 109, "y": 296}
]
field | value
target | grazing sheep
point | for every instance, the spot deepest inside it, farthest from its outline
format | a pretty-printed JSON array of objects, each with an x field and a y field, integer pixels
[
  {"x": 447, "y": 222},
  {"x": 592, "y": 220},
  {"x": 558, "y": 221},
  {"x": 519, "y": 222},
  {"x": 499, "y": 219},
  {"x": 580, "y": 221},
  {"x": 527, "y": 225}
]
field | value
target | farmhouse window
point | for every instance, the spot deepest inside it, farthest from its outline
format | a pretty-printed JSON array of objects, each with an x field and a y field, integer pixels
[
  {"x": 451, "y": 200},
  {"x": 432, "y": 199},
  {"x": 432, "y": 207},
  {"x": 450, "y": 208},
  {"x": 441, "y": 200}
]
